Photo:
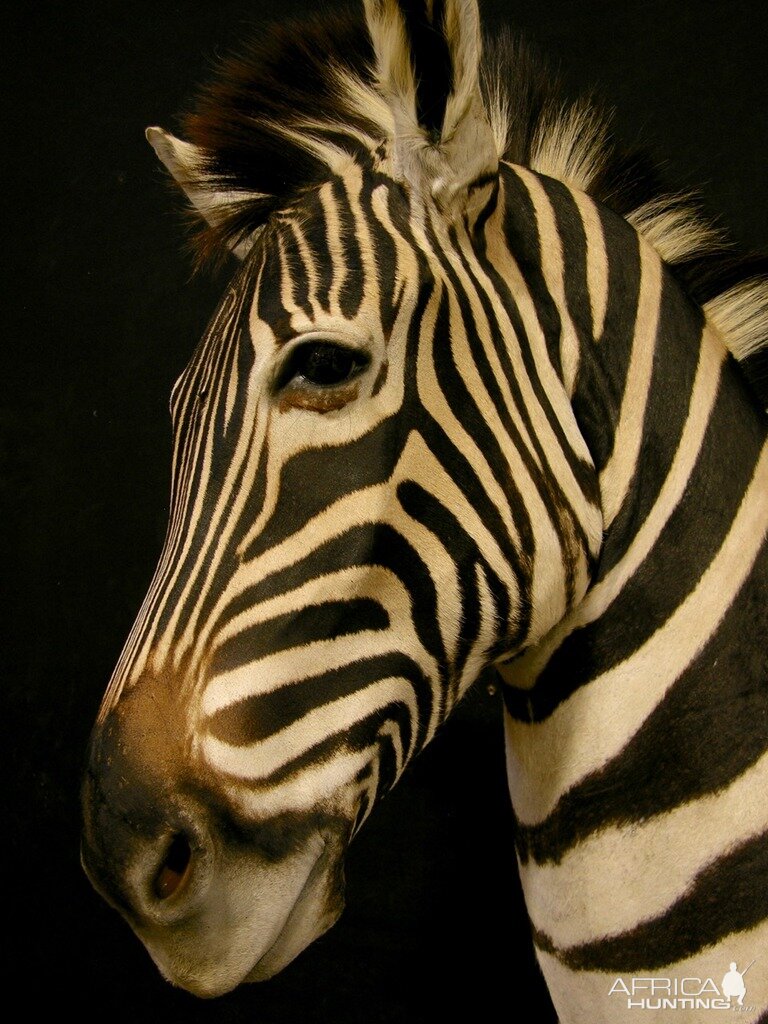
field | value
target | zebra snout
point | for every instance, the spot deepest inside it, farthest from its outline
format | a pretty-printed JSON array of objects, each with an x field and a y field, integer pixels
[
  {"x": 153, "y": 865},
  {"x": 146, "y": 843},
  {"x": 144, "y": 864},
  {"x": 215, "y": 898},
  {"x": 215, "y": 904}
]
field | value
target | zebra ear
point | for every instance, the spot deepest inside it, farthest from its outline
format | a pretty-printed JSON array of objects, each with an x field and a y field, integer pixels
[
  {"x": 187, "y": 165},
  {"x": 428, "y": 69}
]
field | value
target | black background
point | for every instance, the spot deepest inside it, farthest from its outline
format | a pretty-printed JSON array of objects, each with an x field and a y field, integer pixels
[{"x": 101, "y": 312}]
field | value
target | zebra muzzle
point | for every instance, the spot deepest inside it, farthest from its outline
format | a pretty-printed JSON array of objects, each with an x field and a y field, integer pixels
[{"x": 214, "y": 903}]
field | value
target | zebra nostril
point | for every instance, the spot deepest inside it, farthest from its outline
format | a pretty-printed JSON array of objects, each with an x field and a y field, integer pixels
[{"x": 175, "y": 870}]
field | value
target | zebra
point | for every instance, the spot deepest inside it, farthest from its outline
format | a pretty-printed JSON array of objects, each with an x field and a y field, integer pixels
[{"x": 479, "y": 397}]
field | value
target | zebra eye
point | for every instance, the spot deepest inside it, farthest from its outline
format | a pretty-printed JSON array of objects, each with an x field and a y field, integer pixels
[{"x": 323, "y": 364}]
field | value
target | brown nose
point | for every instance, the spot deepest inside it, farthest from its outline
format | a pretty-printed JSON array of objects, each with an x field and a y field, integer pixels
[{"x": 145, "y": 846}]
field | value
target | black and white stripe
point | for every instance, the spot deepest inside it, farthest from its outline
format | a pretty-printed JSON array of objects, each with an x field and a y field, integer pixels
[
  {"x": 637, "y": 731},
  {"x": 302, "y": 584},
  {"x": 548, "y": 461}
]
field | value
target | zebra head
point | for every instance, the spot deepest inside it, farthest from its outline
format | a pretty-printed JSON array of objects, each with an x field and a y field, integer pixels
[{"x": 372, "y": 499}]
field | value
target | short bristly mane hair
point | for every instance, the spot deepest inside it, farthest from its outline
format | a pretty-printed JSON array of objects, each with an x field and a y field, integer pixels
[{"x": 301, "y": 99}]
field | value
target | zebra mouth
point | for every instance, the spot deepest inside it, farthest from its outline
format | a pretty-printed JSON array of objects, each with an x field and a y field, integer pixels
[
  {"x": 250, "y": 921},
  {"x": 317, "y": 908}
]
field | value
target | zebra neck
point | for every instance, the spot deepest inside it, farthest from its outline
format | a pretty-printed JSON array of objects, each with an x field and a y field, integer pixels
[
  {"x": 679, "y": 448},
  {"x": 636, "y": 743},
  {"x": 659, "y": 633}
]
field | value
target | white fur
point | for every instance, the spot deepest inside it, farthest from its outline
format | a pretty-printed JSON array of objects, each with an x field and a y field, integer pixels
[
  {"x": 571, "y": 145},
  {"x": 466, "y": 151},
  {"x": 740, "y": 315},
  {"x": 187, "y": 166},
  {"x": 675, "y": 231}
]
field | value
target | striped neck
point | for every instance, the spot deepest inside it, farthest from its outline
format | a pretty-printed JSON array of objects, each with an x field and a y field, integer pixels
[{"x": 635, "y": 728}]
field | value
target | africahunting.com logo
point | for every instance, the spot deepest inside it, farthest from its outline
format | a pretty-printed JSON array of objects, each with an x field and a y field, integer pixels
[{"x": 659, "y": 993}]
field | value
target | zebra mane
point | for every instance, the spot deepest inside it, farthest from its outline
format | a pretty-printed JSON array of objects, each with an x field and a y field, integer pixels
[{"x": 301, "y": 100}]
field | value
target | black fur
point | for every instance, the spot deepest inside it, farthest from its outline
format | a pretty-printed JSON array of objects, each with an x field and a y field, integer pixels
[
  {"x": 431, "y": 63},
  {"x": 282, "y": 77},
  {"x": 724, "y": 898}
]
